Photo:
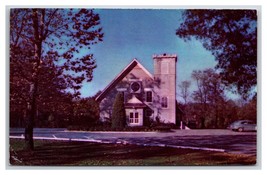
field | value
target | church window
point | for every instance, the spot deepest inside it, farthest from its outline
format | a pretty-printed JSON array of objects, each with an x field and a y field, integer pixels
[
  {"x": 164, "y": 102},
  {"x": 148, "y": 96},
  {"x": 134, "y": 117}
]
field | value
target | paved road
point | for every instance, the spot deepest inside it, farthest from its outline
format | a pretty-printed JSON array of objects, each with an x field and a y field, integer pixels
[{"x": 219, "y": 140}]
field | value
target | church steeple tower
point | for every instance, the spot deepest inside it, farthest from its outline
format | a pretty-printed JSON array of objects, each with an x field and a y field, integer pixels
[{"x": 165, "y": 71}]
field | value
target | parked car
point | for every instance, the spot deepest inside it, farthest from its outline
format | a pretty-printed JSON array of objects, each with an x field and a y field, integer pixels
[{"x": 243, "y": 125}]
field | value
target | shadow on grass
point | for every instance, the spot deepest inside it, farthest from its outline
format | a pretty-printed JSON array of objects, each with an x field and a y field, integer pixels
[{"x": 55, "y": 153}]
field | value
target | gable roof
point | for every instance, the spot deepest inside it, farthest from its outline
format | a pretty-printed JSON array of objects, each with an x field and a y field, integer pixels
[
  {"x": 135, "y": 102},
  {"x": 120, "y": 76}
]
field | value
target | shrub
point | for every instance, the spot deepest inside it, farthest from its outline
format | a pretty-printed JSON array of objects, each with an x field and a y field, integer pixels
[
  {"x": 137, "y": 128},
  {"x": 164, "y": 128},
  {"x": 118, "y": 118}
]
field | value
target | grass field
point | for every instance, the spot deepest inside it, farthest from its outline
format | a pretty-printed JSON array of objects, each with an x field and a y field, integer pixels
[{"x": 58, "y": 153}]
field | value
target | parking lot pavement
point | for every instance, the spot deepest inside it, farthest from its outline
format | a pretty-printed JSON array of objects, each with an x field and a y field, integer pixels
[{"x": 218, "y": 139}]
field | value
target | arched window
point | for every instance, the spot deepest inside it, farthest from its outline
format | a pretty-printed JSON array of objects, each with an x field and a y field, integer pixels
[{"x": 164, "y": 102}]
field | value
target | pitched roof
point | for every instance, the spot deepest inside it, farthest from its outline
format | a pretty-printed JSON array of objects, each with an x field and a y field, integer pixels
[
  {"x": 135, "y": 102},
  {"x": 120, "y": 76}
]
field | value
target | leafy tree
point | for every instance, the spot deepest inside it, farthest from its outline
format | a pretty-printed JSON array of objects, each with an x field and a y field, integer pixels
[
  {"x": 229, "y": 111},
  {"x": 118, "y": 118},
  {"x": 55, "y": 36},
  {"x": 86, "y": 112},
  {"x": 248, "y": 109},
  {"x": 209, "y": 95},
  {"x": 231, "y": 36},
  {"x": 51, "y": 99},
  {"x": 216, "y": 95}
]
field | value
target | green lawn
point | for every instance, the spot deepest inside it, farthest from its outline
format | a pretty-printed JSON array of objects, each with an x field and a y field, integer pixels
[{"x": 57, "y": 153}]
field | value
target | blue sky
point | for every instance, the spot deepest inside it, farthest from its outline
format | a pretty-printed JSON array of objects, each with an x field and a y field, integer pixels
[{"x": 130, "y": 34}]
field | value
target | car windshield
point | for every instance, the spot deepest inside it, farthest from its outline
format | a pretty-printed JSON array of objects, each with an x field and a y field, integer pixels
[{"x": 237, "y": 122}]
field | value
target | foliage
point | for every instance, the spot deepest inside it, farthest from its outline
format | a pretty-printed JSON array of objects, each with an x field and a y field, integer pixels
[
  {"x": 63, "y": 32},
  {"x": 209, "y": 94},
  {"x": 148, "y": 119},
  {"x": 106, "y": 105},
  {"x": 49, "y": 102},
  {"x": 229, "y": 111},
  {"x": 54, "y": 37},
  {"x": 86, "y": 112},
  {"x": 231, "y": 36},
  {"x": 248, "y": 110},
  {"x": 118, "y": 118},
  {"x": 210, "y": 107}
]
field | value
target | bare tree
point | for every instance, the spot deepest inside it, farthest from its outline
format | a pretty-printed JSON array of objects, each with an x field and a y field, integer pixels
[{"x": 184, "y": 90}]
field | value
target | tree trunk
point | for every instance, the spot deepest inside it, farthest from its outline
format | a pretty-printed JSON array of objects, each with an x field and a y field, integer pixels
[
  {"x": 32, "y": 106},
  {"x": 31, "y": 114},
  {"x": 216, "y": 117},
  {"x": 28, "y": 129}
]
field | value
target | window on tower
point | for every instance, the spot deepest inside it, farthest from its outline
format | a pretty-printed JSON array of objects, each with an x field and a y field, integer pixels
[
  {"x": 165, "y": 68},
  {"x": 164, "y": 102}
]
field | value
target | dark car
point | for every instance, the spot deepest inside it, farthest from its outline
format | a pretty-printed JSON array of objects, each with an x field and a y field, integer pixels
[{"x": 243, "y": 125}]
